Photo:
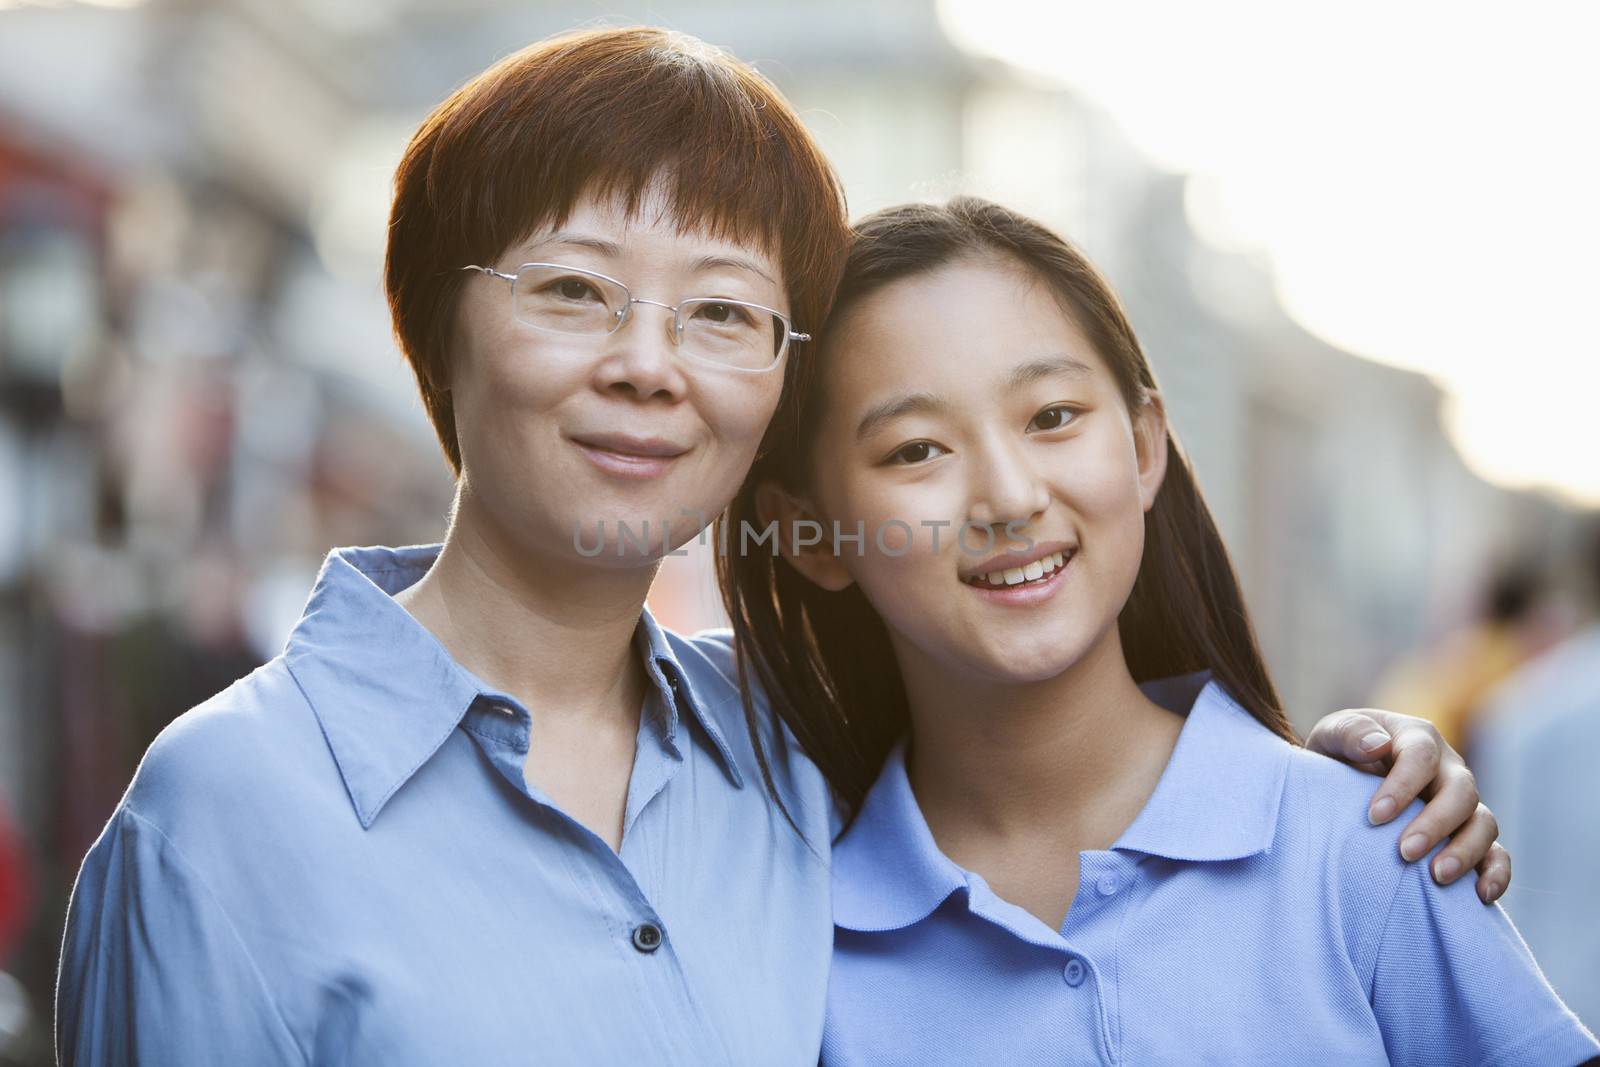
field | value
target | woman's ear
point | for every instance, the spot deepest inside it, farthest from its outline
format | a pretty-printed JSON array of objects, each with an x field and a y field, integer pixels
[
  {"x": 1150, "y": 444},
  {"x": 802, "y": 537}
]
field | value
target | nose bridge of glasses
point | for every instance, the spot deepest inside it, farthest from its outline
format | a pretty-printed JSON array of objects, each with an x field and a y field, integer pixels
[{"x": 675, "y": 321}]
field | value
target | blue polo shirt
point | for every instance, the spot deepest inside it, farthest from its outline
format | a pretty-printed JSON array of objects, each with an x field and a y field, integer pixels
[
  {"x": 337, "y": 860},
  {"x": 1249, "y": 915}
]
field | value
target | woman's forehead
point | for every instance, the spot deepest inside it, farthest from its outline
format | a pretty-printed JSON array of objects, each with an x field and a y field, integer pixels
[{"x": 610, "y": 222}]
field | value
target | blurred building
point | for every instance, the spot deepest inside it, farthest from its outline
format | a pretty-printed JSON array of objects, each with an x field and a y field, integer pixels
[{"x": 199, "y": 394}]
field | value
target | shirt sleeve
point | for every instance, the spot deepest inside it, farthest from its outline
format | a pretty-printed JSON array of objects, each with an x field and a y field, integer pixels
[
  {"x": 1454, "y": 983},
  {"x": 152, "y": 969}
]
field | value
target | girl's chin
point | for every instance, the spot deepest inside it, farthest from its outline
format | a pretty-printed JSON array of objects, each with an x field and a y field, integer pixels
[{"x": 1019, "y": 665}]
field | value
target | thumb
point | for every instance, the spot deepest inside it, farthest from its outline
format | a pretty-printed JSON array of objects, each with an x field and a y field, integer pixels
[{"x": 1352, "y": 736}]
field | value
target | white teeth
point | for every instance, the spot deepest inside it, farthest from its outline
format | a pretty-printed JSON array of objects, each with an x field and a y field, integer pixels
[{"x": 1028, "y": 572}]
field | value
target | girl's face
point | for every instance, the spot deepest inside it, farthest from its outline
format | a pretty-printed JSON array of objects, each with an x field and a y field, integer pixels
[
  {"x": 965, "y": 402},
  {"x": 559, "y": 433}
]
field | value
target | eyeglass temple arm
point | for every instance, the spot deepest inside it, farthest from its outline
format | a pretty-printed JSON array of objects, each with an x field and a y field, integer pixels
[{"x": 491, "y": 271}]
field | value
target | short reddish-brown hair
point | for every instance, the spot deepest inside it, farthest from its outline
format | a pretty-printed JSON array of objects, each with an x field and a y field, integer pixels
[{"x": 604, "y": 112}]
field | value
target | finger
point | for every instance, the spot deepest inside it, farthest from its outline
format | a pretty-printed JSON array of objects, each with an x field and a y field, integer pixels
[
  {"x": 1352, "y": 736},
  {"x": 1468, "y": 847},
  {"x": 1454, "y": 802},
  {"x": 1418, "y": 754},
  {"x": 1494, "y": 874}
]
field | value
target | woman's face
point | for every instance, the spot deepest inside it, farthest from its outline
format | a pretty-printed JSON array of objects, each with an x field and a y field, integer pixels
[
  {"x": 561, "y": 433},
  {"x": 966, "y": 397}
]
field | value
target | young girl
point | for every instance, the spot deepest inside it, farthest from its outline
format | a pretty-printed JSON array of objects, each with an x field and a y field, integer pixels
[{"x": 1093, "y": 838}]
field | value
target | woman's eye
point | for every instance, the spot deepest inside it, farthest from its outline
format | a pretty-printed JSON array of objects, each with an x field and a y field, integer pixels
[
  {"x": 724, "y": 314},
  {"x": 1053, "y": 418},
  {"x": 915, "y": 452},
  {"x": 573, "y": 289}
]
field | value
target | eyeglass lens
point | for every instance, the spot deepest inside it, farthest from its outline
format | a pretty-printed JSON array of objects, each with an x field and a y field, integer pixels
[{"x": 567, "y": 301}]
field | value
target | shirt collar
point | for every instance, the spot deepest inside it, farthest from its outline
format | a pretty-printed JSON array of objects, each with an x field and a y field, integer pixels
[
  {"x": 1217, "y": 799},
  {"x": 386, "y": 692}
]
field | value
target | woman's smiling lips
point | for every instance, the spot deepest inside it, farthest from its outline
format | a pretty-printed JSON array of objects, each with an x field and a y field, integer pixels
[{"x": 629, "y": 456}]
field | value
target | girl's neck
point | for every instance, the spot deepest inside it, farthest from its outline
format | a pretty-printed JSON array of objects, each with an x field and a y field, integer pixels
[
  {"x": 1074, "y": 757},
  {"x": 553, "y": 633}
]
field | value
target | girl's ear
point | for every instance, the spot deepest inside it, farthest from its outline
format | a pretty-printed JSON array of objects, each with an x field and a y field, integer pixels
[
  {"x": 1150, "y": 443},
  {"x": 802, "y": 536}
]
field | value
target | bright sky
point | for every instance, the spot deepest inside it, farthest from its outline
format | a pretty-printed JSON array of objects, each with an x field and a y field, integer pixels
[{"x": 1425, "y": 178}]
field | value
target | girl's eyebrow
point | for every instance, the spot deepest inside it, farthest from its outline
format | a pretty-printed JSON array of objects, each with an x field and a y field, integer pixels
[
  {"x": 1035, "y": 369},
  {"x": 895, "y": 407},
  {"x": 929, "y": 404}
]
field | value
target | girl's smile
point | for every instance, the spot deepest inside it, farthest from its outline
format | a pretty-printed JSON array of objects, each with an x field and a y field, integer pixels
[{"x": 1033, "y": 578}]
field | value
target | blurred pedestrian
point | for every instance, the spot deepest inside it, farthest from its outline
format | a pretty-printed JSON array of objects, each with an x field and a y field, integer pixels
[
  {"x": 1446, "y": 682},
  {"x": 1538, "y": 746}
]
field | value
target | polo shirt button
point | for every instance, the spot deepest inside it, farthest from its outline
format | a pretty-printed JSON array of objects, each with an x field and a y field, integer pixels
[
  {"x": 1075, "y": 972},
  {"x": 1107, "y": 885},
  {"x": 647, "y": 937}
]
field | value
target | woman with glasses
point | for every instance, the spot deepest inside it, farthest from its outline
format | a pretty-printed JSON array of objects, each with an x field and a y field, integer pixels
[{"x": 483, "y": 809}]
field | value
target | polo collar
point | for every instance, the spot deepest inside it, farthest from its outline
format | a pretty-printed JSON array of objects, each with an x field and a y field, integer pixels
[
  {"x": 1216, "y": 800},
  {"x": 387, "y": 694}
]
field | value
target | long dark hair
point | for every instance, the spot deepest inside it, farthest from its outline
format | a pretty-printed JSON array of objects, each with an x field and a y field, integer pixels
[{"x": 824, "y": 658}]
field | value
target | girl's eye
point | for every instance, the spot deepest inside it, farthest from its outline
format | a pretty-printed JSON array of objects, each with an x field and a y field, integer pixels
[
  {"x": 915, "y": 452},
  {"x": 1053, "y": 418}
]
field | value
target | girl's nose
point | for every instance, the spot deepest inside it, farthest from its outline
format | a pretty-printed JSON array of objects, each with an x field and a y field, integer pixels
[{"x": 1006, "y": 488}]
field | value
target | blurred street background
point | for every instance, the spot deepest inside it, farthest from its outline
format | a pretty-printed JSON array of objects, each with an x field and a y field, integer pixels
[{"x": 1358, "y": 242}]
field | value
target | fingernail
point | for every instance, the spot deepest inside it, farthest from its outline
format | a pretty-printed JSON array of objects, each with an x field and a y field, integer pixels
[
  {"x": 1374, "y": 741},
  {"x": 1382, "y": 809},
  {"x": 1413, "y": 846},
  {"x": 1495, "y": 889},
  {"x": 1446, "y": 869}
]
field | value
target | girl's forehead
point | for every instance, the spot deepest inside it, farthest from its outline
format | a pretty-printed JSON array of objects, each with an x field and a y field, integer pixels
[{"x": 974, "y": 319}]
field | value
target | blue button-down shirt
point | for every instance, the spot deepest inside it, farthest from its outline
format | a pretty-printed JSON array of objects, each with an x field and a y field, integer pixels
[
  {"x": 338, "y": 860},
  {"x": 1249, "y": 915}
]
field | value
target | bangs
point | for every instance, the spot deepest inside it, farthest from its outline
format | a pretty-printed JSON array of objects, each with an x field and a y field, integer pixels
[{"x": 607, "y": 117}]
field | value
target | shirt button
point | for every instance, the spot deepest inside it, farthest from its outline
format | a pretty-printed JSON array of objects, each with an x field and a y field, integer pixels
[
  {"x": 647, "y": 937},
  {"x": 1107, "y": 885},
  {"x": 1075, "y": 973}
]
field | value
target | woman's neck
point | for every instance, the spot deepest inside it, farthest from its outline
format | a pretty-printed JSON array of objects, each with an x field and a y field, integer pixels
[
  {"x": 553, "y": 633},
  {"x": 1072, "y": 758}
]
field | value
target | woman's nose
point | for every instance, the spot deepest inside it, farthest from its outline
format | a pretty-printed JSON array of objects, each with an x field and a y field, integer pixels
[{"x": 640, "y": 359}]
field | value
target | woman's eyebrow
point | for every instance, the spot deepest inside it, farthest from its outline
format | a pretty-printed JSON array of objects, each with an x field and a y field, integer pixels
[
  {"x": 604, "y": 247},
  {"x": 1045, "y": 367},
  {"x": 736, "y": 262},
  {"x": 895, "y": 407}
]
